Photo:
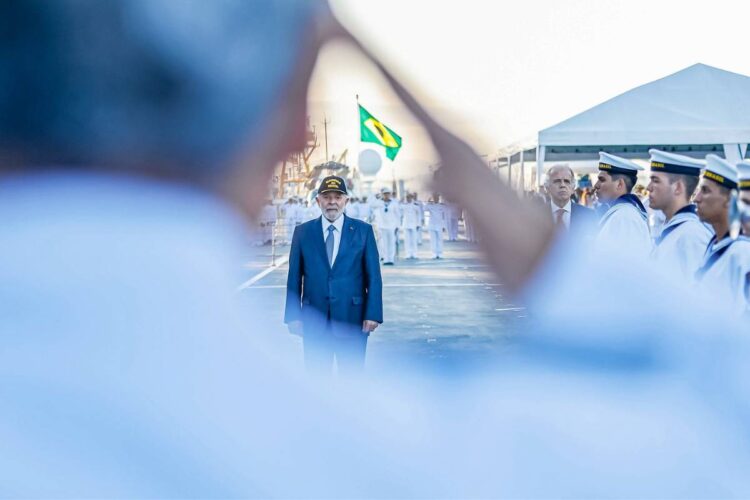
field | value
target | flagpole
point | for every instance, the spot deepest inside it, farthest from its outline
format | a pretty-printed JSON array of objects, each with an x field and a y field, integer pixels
[
  {"x": 359, "y": 150},
  {"x": 393, "y": 175},
  {"x": 325, "y": 132}
]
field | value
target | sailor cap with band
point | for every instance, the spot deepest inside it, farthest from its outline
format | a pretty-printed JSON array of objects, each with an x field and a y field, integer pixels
[
  {"x": 743, "y": 169},
  {"x": 671, "y": 163},
  {"x": 720, "y": 171},
  {"x": 333, "y": 184},
  {"x": 616, "y": 165}
]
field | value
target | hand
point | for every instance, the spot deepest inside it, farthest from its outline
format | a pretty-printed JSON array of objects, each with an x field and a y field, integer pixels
[
  {"x": 295, "y": 328},
  {"x": 369, "y": 326}
]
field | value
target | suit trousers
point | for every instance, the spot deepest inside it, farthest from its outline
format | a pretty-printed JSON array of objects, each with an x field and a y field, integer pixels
[
  {"x": 321, "y": 348},
  {"x": 410, "y": 242},
  {"x": 388, "y": 243}
]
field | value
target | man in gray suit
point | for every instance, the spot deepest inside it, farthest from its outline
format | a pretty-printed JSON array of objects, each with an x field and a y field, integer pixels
[{"x": 566, "y": 214}]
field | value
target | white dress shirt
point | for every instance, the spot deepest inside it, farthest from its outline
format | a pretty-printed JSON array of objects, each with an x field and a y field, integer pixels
[
  {"x": 338, "y": 224},
  {"x": 566, "y": 215}
]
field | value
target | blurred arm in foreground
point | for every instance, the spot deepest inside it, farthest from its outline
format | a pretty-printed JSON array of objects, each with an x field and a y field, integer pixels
[
  {"x": 516, "y": 234},
  {"x": 532, "y": 260}
]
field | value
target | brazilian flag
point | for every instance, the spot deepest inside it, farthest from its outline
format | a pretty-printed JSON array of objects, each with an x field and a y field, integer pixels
[{"x": 372, "y": 130}]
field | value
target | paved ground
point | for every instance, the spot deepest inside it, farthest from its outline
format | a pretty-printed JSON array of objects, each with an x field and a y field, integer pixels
[{"x": 442, "y": 315}]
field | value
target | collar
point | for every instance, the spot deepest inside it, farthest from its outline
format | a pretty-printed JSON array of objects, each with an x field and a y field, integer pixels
[
  {"x": 717, "y": 243},
  {"x": 630, "y": 199},
  {"x": 687, "y": 209},
  {"x": 568, "y": 206},
  {"x": 338, "y": 223},
  {"x": 685, "y": 213}
]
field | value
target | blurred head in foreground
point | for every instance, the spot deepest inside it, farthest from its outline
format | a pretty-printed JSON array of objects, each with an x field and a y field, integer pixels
[{"x": 204, "y": 92}]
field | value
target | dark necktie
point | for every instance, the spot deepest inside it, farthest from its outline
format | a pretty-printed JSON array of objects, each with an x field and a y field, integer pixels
[{"x": 329, "y": 245}]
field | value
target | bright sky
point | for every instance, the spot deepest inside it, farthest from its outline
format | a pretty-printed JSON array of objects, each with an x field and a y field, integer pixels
[{"x": 499, "y": 71}]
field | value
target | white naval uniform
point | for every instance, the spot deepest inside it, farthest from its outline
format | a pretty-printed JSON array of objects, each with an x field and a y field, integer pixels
[
  {"x": 268, "y": 219},
  {"x": 625, "y": 222},
  {"x": 351, "y": 210},
  {"x": 290, "y": 219},
  {"x": 725, "y": 272},
  {"x": 372, "y": 207},
  {"x": 363, "y": 211},
  {"x": 420, "y": 229},
  {"x": 300, "y": 213},
  {"x": 387, "y": 217},
  {"x": 452, "y": 214},
  {"x": 436, "y": 226},
  {"x": 313, "y": 211},
  {"x": 681, "y": 246},
  {"x": 412, "y": 220}
]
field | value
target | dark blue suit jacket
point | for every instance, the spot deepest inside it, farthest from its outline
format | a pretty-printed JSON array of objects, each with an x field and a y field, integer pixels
[{"x": 346, "y": 295}]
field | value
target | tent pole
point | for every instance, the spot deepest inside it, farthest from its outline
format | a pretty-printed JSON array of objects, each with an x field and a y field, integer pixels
[
  {"x": 540, "y": 150},
  {"x": 509, "y": 158},
  {"x": 733, "y": 152}
]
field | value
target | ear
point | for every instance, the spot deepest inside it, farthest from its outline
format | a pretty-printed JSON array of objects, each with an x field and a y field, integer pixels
[
  {"x": 679, "y": 187},
  {"x": 727, "y": 199}
]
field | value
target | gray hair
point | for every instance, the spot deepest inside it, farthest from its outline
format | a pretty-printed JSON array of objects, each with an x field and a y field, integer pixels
[{"x": 561, "y": 166}]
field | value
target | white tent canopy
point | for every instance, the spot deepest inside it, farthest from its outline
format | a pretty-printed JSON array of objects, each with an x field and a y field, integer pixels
[{"x": 695, "y": 111}]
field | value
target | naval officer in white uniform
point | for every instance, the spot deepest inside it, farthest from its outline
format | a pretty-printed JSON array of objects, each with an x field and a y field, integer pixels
[
  {"x": 626, "y": 219},
  {"x": 727, "y": 261},
  {"x": 683, "y": 240},
  {"x": 387, "y": 218},
  {"x": 438, "y": 223},
  {"x": 743, "y": 168},
  {"x": 412, "y": 215}
]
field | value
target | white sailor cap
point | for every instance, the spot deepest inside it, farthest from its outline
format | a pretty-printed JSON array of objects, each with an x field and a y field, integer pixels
[
  {"x": 720, "y": 171},
  {"x": 743, "y": 169},
  {"x": 386, "y": 190},
  {"x": 616, "y": 165},
  {"x": 672, "y": 163}
]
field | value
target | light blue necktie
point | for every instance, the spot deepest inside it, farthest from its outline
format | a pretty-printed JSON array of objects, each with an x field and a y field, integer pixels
[{"x": 329, "y": 245}]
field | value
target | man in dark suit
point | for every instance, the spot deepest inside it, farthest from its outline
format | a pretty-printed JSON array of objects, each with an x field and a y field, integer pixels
[
  {"x": 334, "y": 288},
  {"x": 566, "y": 214}
]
